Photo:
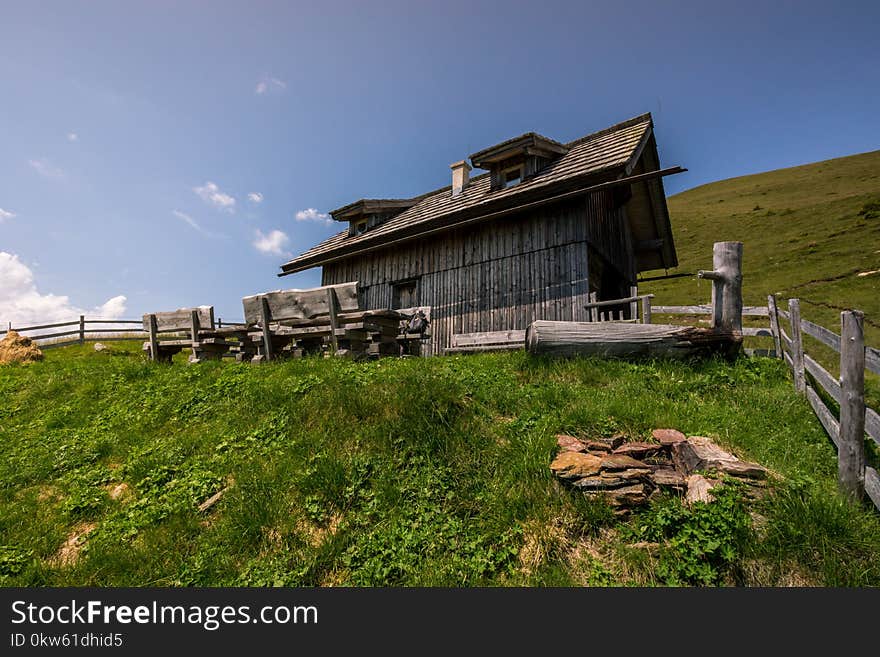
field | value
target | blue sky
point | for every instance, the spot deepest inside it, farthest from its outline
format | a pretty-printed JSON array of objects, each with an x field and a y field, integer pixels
[{"x": 163, "y": 151}]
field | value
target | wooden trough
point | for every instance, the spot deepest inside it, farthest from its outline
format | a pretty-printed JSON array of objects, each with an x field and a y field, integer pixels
[{"x": 619, "y": 339}]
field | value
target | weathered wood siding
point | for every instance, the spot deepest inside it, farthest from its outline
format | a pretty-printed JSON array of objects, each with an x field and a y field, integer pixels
[{"x": 501, "y": 275}]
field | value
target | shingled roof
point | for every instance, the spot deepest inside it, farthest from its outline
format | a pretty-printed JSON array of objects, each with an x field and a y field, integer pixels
[{"x": 597, "y": 157}]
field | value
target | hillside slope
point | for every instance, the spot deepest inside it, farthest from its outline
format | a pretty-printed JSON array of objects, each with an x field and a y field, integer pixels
[
  {"x": 808, "y": 232},
  {"x": 116, "y": 471}
]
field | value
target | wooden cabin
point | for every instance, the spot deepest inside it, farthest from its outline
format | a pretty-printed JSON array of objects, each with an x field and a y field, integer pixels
[{"x": 547, "y": 224}]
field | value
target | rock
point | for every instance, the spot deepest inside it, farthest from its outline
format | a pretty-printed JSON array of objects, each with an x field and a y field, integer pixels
[
  {"x": 698, "y": 488},
  {"x": 100, "y": 346},
  {"x": 621, "y": 462},
  {"x": 743, "y": 469},
  {"x": 667, "y": 437},
  {"x": 616, "y": 440},
  {"x": 17, "y": 348},
  {"x": 667, "y": 477},
  {"x": 638, "y": 450},
  {"x": 569, "y": 443},
  {"x": 629, "y": 474},
  {"x": 596, "y": 446},
  {"x": 700, "y": 453},
  {"x": 599, "y": 483},
  {"x": 575, "y": 465},
  {"x": 627, "y": 496}
]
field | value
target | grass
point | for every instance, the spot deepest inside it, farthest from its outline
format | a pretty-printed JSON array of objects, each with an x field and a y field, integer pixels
[
  {"x": 807, "y": 232},
  {"x": 400, "y": 472}
]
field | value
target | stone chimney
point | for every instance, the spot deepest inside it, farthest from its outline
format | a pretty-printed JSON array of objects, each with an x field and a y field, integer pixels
[{"x": 460, "y": 178}]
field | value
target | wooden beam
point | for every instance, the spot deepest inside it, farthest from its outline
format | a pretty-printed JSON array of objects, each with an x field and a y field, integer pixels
[
  {"x": 774, "y": 323},
  {"x": 851, "y": 450},
  {"x": 333, "y": 312},
  {"x": 265, "y": 318}
]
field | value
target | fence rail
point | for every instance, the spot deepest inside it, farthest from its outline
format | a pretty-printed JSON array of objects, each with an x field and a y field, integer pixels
[
  {"x": 81, "y": 331},
  {"x": 855, "y": 420}
]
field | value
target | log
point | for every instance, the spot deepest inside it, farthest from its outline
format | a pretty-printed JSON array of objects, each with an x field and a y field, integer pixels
[
  {"x": 628, "y": 340},
  {"x": 726, "y": 276}
]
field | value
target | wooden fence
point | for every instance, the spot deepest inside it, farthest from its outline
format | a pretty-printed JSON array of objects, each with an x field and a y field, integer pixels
[
  {"x": 77, "y": 329},
  {"x": 848, "y": 429}
]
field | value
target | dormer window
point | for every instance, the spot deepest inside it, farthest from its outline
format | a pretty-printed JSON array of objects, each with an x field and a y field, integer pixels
[
  {"x": 516, "y": 160},
  {"x": 512, "y": 176},
  {"x": 368, "y": 213}
]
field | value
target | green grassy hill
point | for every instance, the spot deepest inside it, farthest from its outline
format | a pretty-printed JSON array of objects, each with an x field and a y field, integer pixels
[
  {"x": 399, "y": 472},
  {"x": 808, "y": 232}
]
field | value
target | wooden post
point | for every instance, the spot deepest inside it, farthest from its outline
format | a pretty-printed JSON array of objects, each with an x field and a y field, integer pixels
[
  {"x": 851, "y": 446},
  {"x": 726, "y": 277},
  {"x": 82, "y": 329},
  {"x": 594, "y": 312},
  {"x": 634, "y": 304},
  {"x": 194, "y": 335},
  {"x": 154, "y": 339},
  {"x": 646, "y": 310},
  {"x": 265, "y": 317},
  {"x": 797, "y": 346},
  {"x": 773, "y": 312},
  {"x": 332, "y": 305}
]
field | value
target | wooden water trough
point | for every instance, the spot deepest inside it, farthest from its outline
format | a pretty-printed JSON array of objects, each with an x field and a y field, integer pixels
[{"x": 621, "y": 339}]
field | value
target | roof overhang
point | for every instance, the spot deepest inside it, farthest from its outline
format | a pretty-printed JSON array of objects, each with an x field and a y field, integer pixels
[
  {"x": 530, "y": 143},
  {"x": 569, "y": 189},
  {"x": 372, "y": 206}
]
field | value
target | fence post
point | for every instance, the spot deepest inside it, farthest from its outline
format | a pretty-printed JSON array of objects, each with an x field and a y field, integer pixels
[
  {"x": 773, "y": 312},
  {"x": 797, "y": 346},
  {"x": 154, "y": 338},
  {"x": 646, "y": 310},
  {"x": 594, "y": 312},
  {"x": 634, "y": 304},
  {"x": 726, "y": 277},
  {"x": 82, "y": 329},
  {"x": 851, "y": 448}
]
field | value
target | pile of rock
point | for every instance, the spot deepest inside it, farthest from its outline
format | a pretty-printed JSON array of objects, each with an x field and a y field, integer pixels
[{"x": 627, "y": 473}]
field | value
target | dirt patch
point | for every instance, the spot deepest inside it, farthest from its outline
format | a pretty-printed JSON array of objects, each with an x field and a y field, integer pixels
[
  {"x": 17, "y": 348},
  {"x": 48, "y": 494},
  {"x": 118, "y": 491},
  {"x": 68, "y": 553}
]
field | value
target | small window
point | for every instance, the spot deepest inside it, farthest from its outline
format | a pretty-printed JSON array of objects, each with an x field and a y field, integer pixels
[
  {"x": 405, "y": 294},
  {"x": 511, "y": 177},
  {"x": 360, "y": 227}
]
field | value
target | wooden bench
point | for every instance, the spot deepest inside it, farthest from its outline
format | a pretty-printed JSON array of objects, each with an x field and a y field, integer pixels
[
  {"x": 327, "y": 319},
  {"x": 197, "y": 322},
  {"x": 463, "y": 343}
]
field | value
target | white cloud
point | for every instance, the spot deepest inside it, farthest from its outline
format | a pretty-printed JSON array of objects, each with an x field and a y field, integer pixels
[
  {"x": 46, "y": 169},
  {"x": 267, "y": 84},
  {"x": 23, "y": 305},
  {"x": 5, "y": 214},
  {"x": 255, "y": 197},
  {"x": 184, "y": 217},
  {"x": 273, "y": 243},
  {"x": 72, "y": 136},
  {"x": 311, "y": 214},
  {"x": 211, "y": 194}
]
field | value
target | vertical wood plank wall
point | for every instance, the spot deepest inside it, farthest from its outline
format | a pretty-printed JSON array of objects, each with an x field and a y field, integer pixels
[{"x": 501, "y": 275}]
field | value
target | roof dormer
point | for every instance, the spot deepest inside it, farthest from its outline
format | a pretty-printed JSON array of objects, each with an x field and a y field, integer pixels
[
  {"x": 368, "y": 213},
  {"x": 517, "y": 159}
]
